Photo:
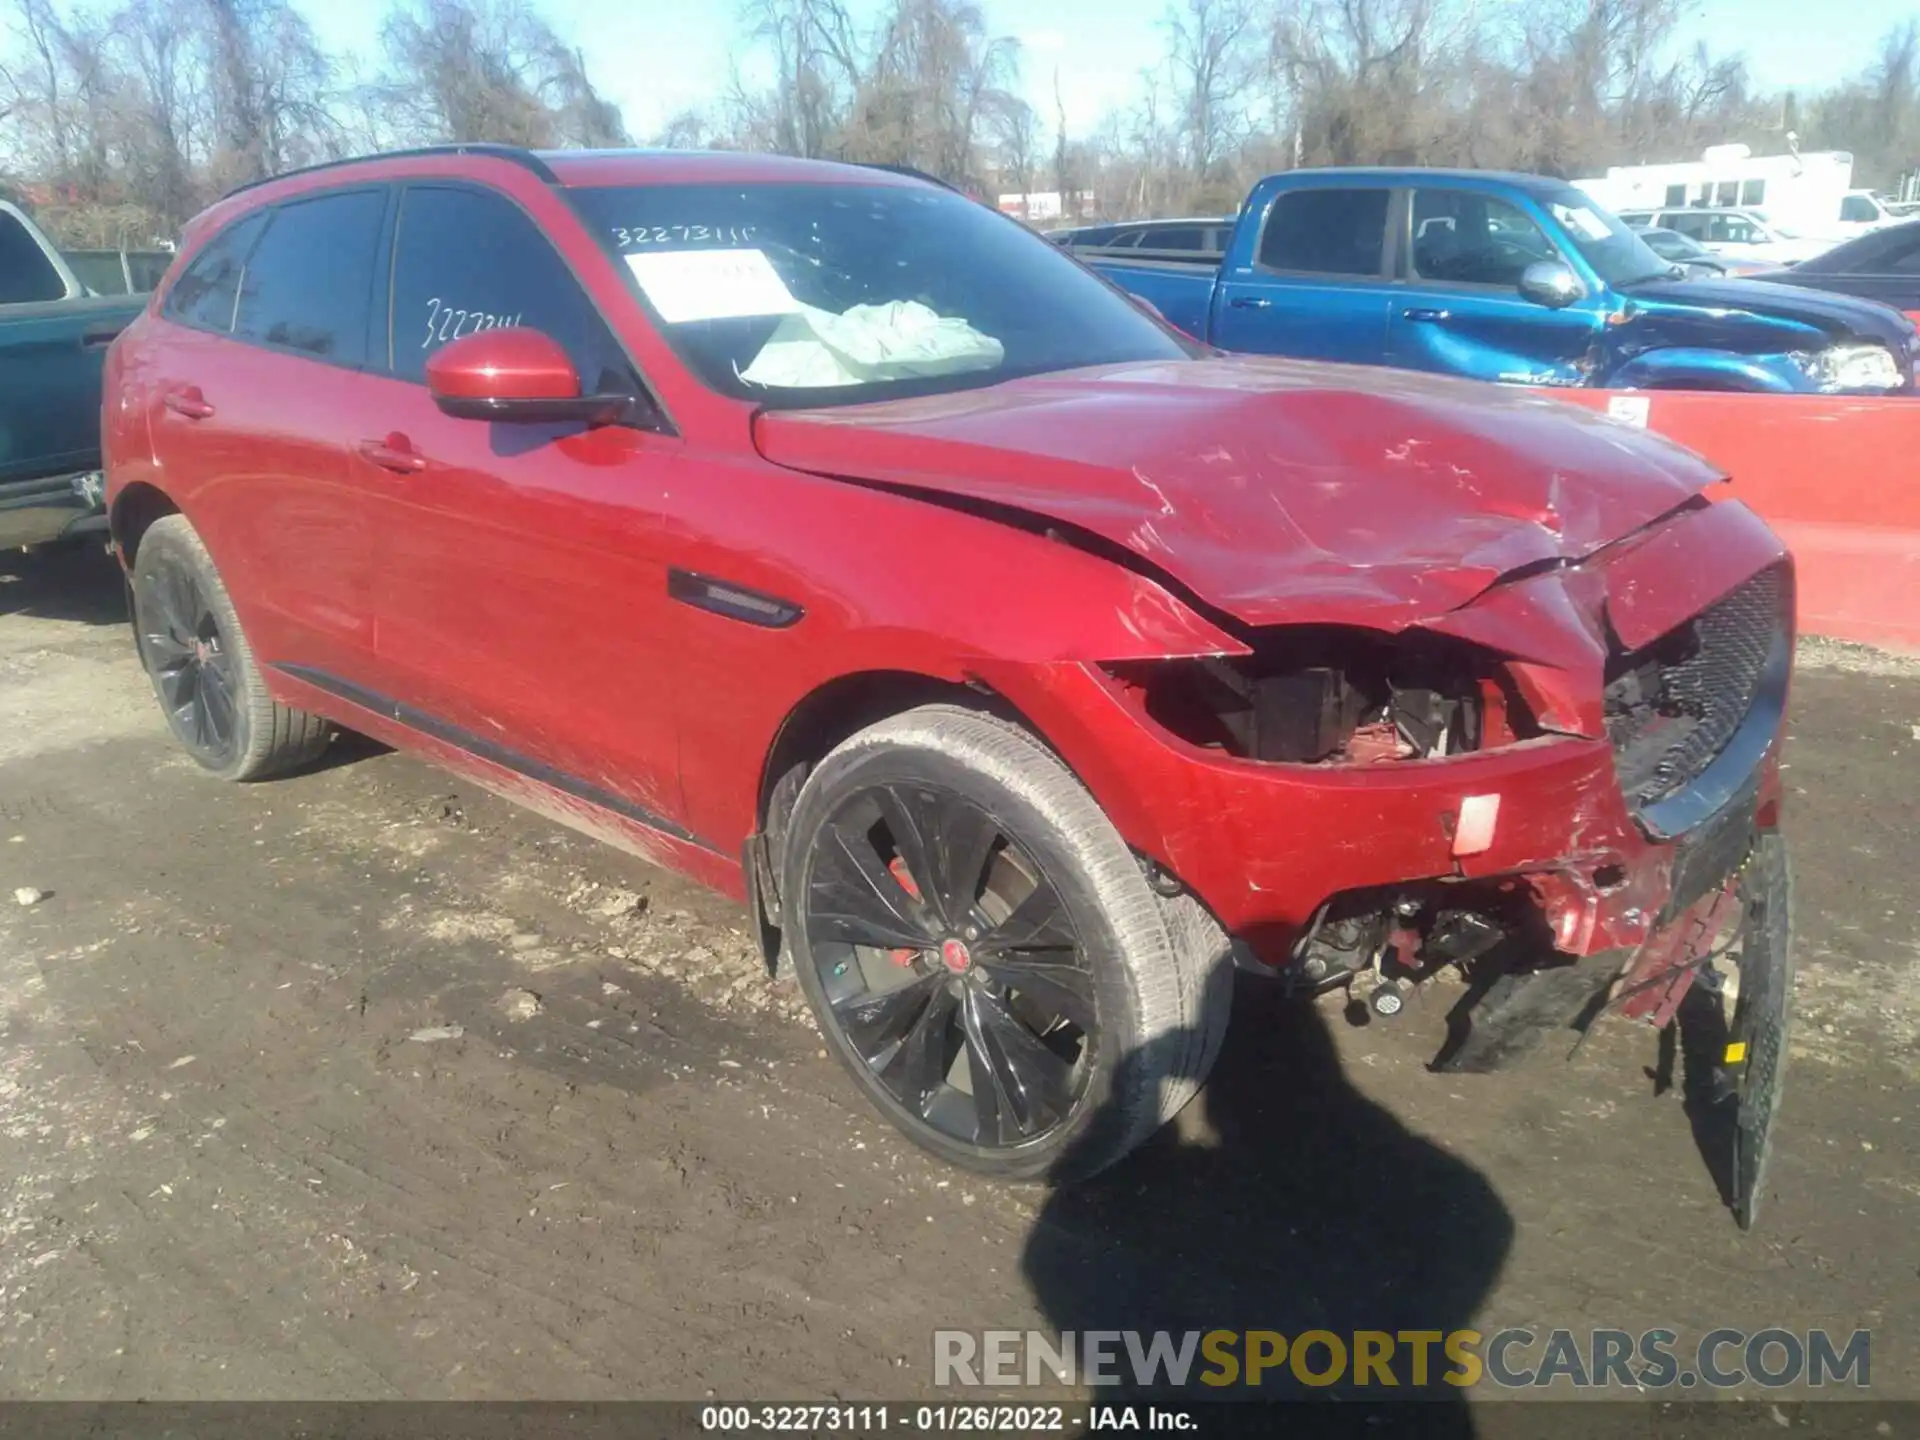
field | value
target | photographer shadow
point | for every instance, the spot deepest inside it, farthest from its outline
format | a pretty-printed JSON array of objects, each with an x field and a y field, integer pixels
[{"x": 1290, "y": 1204}]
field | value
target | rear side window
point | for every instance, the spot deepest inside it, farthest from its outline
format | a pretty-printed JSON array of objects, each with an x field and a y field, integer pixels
[
  {"x": 308, "y": 285},
  {"x": 205, "y": 293},
  {"x": 1327, "y": 232},
  {"x": 26, "y": 275},
  {"x": 470, "y": 261},
  {"x": 1901, "y": 257}
]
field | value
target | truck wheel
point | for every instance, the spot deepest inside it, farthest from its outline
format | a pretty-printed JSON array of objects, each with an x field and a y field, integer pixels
[
  {"x": 983, "y": 951},
  {"x": 202, "y": 668}
]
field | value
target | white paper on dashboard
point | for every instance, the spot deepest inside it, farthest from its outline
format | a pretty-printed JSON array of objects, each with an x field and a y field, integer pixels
[{"x": 688, "y": 285}]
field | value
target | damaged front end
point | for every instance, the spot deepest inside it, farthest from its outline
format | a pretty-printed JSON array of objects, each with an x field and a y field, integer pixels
[{"x": 1565, "y": 817}]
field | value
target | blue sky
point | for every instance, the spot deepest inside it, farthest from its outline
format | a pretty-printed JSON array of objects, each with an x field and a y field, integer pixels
[{"x": 657, "y": 58}]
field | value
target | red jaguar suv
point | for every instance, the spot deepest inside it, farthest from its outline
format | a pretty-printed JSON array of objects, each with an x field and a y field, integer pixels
[{"x": 815, "y": 531}]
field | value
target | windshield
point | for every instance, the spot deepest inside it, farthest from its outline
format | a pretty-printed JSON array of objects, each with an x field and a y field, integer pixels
[
  {"x": 820, "y": 293},
  {"x": 1671, "y": 245},
  {"x": 1618, "y": 255}
]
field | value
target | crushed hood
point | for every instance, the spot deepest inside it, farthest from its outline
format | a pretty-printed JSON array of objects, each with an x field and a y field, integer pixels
[{"x": 1275, "y": 491}]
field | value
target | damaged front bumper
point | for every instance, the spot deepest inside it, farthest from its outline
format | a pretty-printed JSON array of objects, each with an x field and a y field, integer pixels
[{"x": 1563, "y": 874}]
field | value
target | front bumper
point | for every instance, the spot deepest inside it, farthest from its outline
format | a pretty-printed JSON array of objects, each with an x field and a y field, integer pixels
[
  {"x": 51, "y": 507},
  {"x": 1265, "y": 845}
]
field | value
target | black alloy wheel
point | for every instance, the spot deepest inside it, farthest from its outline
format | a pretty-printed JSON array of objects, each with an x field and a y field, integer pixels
[
  {"x": 950, "y": 964},
  {"x": 190, "y": 661}
]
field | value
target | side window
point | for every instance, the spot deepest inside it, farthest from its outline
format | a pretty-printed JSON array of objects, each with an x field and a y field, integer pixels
[
  {"x": 1753, "y": 192},
  {"x": 1725, "y": 192},
  {"x": 1463, "y": 238},
  {"x": 26, "y": 275},
  {"x": 1182, "y": 237},
  {"x": 469, "y": 261},
  {"x": 1858, "y": 208},
  {"x": 205, "y": 293},
  {"x": 1327, "y": 232},
  {"x": 308, "y": 285},
  {"x": 1676, "y": 195},
  {"x": 1694, "y": 227},
  {"x": 1900, "y": 258}
]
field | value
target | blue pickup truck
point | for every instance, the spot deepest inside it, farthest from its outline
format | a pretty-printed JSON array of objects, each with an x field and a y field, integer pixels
[{"x": 1510, "y": 278}]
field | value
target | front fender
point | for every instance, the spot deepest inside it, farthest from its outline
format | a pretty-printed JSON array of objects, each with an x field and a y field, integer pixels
[{"x": 1694, "y": 368}]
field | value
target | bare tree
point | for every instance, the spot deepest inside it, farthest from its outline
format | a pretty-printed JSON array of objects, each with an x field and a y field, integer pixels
[{"x": 1211, "y": 57}]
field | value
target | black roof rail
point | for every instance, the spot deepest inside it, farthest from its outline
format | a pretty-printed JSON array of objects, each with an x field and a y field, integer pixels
[
  {"x": 515, "y": 154},
  {"x": 911, "y": 173}
]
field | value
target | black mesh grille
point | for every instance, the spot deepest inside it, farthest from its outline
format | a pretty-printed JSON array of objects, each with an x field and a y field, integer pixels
[{"x": 1673, "y": 705}]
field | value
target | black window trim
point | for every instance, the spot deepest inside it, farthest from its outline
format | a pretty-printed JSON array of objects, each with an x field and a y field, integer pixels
[
  {"x": 166, "y": 297},
  {"x": 382, "y": 234},
  {"x": 655, "y": 419},
  {"x": 1404, "y": 233},
  {"x": 1388, "y": 250}
]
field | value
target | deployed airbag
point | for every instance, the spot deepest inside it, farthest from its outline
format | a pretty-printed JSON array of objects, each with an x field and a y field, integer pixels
[{"x": 895, "y": 341}]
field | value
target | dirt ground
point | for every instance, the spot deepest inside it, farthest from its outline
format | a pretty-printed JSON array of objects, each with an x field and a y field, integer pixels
[{"x": 366, "y": 1085}]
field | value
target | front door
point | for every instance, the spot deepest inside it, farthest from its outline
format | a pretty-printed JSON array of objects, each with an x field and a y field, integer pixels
[
  {"x": 1461, "y": 312},
  {"x": 522, "y": 586},
  {"x": 1320, "y": 283}
]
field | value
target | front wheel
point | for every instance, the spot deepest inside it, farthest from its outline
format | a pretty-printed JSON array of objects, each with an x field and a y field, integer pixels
[{"x": 984, "y": 954}]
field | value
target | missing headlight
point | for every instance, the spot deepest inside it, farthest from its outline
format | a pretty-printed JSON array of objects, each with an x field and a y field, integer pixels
[{"x": 1327, "y": 695}]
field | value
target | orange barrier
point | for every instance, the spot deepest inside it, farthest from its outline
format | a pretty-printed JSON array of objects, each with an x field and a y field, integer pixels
[{"x": 1838, "y": 478}]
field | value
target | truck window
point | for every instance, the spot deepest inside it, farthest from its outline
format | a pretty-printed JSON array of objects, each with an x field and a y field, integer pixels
[
  {"x": 308, "y": 285},
  {"x": 1464, "y": 238},
  {"x": 1326, "y": 232},
  {"x": 1676, "y": 196},
  {"x": 26, "y": 275},
  {"x": 467, "y": 261},
  {"x": 205, "y": 293},
  {"x": 1858, "y": 208},
  {"x": 1753, "y": 192}
]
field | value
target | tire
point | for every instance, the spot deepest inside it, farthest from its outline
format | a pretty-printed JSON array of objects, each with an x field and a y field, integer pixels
[
  {"x": 984, "y": 955},
  {"x": 209, "y": 686}
]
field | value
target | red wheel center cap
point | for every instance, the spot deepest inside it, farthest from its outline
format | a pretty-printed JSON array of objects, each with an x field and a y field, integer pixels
[{"x": 954, "y": 955}]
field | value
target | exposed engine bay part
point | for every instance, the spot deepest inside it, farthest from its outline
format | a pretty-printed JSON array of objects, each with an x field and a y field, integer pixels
[{"x": 1335, "y": 695}]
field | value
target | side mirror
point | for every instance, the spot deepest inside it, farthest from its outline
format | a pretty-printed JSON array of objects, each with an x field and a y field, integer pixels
[
  {"x": 1550, "y": 283},
  {"x": 515, "y": 375}
]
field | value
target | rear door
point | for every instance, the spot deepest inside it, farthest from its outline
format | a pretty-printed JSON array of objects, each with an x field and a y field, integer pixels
[
  {"x": 1461, "y": 312},
  {"x": 50, "y": 353},
  {"x": 267, "y": 339},
  {"x": 1320, "y": 282},
  {"x": 522, "y": 588}
]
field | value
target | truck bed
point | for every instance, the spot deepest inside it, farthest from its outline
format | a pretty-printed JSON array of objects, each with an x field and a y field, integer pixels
[{"x": 1177, "y": 283}]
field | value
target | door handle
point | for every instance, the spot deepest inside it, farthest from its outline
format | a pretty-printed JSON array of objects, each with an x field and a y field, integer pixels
[
  {"x": 395, "y": 453},
  {"x": 187, "y": 401},
  {"x": 1426, "y": 315},
  {"x": 1250, "y": 302},
  {"x": 98, "y": 337}
]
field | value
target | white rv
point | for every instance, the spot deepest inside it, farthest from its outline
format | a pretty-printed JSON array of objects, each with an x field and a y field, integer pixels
[{"x": 1810, "y": 195}]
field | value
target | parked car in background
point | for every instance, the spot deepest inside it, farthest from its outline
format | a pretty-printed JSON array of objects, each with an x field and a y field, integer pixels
[
  {"x": 1744, "y": 235},
  {"x": 1883, "y": 265},
  {"x": 831, "y": 537},
  {"x": 53, "y": 338},
  {"x": 119, "y": 272},
  {"x": 1694, "y": 258},
  {"x": 1511, "y": 278},
  {"x": 1196, "y": 237}
]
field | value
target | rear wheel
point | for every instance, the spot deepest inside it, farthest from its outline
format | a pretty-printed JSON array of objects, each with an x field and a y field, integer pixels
[
  {"x": 202, "y": 668},
  {"x": 984, "y": 954}
]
